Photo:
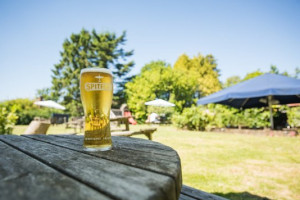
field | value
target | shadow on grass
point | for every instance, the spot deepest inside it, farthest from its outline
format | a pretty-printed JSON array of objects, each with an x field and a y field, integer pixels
[{"x": 241, "y": 196}]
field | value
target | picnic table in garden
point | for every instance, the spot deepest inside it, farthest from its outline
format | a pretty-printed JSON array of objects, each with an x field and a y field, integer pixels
[
  {"x": 57, "y": 167},
  {"x": 126, "y": 132}
]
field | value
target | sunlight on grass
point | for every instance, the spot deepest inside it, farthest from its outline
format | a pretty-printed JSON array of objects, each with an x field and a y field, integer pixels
[{"x": 231, "y": 165}]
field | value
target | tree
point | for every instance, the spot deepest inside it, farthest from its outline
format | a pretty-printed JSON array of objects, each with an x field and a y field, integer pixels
[
  {"x": 145, "y": 87},
  {"x": 184, "y": 90},
  {"x": 183, "y": 62},
  {"x": 252, "y": 75},
  {"x": 232, "y": 81},
  {"x": 44, "y": 93},
  {"x": 297, "y": 72},
  {"x": 26, "y": 110},
  {"x": 274, "y": 69},
  {"x": 158, "y": 80},
  {"x": 86, "y": 50},
  {"x": 7, "y": 120},
  {"x": 204, "y": 69}
]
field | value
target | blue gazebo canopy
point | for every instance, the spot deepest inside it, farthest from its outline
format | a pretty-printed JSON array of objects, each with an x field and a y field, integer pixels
[{"x": 257, "y": 92}]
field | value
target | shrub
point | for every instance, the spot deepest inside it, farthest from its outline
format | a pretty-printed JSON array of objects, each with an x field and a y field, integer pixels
[
  {"x": 7, "y": 120},
  {"x": 293, "y": 115},
  {"x": 26, "y": 110},
  {"x": 220, "y": 116},
  {"x": 225, "y": 116},
  {"x": 193, "y": 118},
  {"x": 26, "y": 116},
  {"x": 256, "y": 117}
]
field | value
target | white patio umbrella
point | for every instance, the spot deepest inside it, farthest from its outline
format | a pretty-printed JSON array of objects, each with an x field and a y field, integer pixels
[
  {"x": 159, "y": 103},
  {"x": 50, "y": 104}
]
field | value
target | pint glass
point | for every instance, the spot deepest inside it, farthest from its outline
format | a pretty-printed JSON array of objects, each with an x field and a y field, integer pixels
[{"x": 96, "y": 88}]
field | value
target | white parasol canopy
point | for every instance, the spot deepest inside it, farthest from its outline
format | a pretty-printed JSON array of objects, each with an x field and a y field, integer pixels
[
  {"x": 50, "y": 104},
  {"x": 159, "y": 102}
]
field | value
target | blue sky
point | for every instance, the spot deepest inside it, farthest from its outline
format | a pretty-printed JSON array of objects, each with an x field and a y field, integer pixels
[{"x": 242, "y": 35}]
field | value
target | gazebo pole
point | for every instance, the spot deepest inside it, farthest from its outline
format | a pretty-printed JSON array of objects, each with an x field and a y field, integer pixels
[{"x": 271, "y": 112}]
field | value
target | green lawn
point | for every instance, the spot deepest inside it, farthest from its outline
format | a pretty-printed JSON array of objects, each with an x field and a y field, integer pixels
[{"x": 231, "y": 165}]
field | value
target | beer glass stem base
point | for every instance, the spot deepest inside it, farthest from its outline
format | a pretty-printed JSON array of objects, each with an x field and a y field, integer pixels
[{"x": 93, "y": 149}]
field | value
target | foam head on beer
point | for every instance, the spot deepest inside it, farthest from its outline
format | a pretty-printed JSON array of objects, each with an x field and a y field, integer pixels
[{"x": 96, "y": 88}]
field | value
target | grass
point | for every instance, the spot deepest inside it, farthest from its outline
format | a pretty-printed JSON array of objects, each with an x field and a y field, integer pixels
[{"x": 234, "y": 166}]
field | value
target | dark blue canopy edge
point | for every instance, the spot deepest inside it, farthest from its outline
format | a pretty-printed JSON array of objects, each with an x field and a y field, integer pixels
[{"x": 254, "y": 92}]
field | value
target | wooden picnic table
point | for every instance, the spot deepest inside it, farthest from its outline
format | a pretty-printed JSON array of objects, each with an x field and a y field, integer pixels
[
  {"x": 57, "y": 167},
  {"x": 126, "y": 132}
]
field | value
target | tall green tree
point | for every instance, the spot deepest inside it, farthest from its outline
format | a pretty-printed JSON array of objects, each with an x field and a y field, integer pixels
[
  {"x": 85, "y": 50},
  {"x": 204, "y": 69},
  {"x": 158, "y": 80}
]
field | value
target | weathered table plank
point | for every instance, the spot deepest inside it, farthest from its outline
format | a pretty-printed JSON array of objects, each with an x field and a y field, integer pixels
[
  {"x": 128, "y": 143},
  {"x": 185, "y": 197},
  {"x": 122, "y": 173},
  {"x": 120, "y": 149},
  {"x": 22, "y": 177},
  {"x": 189, "y": 193},
  {"x": 155, "y": 160}
]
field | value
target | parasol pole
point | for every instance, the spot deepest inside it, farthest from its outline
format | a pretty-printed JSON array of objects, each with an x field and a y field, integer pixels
[{"x": 271, "y": 112}]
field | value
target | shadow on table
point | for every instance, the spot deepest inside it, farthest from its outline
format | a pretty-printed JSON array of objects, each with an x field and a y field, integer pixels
[{"x": 241, "y": 196}]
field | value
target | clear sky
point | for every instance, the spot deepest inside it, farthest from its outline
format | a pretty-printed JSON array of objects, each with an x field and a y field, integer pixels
[{"x": 242, "y": 35}]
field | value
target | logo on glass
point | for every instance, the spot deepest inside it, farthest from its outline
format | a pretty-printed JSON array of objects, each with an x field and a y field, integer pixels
[{"x": 98, "y": 86}]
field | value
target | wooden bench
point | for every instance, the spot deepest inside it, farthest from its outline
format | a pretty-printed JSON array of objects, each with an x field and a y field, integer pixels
[
  {"x": 147, "y": 132},
  {"x": 189, "y": 193},
  {"x": 37, "y": 127}
]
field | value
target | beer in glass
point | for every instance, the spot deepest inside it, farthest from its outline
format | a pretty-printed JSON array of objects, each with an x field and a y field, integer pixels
[{"x": 96, "y": 88}]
